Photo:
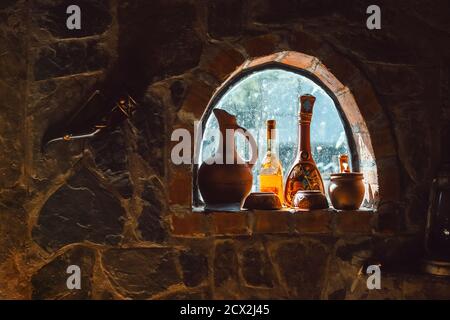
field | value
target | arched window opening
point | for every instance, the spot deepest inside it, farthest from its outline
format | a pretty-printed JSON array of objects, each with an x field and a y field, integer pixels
[{"x": 271, "y": 90}]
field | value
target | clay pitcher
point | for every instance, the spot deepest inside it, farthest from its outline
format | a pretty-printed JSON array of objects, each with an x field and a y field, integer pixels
[{"x": 226, "y": 179}]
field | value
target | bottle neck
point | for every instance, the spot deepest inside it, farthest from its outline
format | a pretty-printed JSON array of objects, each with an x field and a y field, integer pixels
[
  {"x": 304, "y": 139},
  {"x": 271, "y": 141},
  {"x": 304, "y": 121},
  {"x": 272, "y": 146}
]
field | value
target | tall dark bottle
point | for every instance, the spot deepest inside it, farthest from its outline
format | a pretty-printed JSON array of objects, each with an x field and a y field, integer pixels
[{"x": 304, "y": 174}]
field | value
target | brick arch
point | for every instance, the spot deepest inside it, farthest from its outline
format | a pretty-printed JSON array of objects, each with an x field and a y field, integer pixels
[{"x": 370, "y": 132}]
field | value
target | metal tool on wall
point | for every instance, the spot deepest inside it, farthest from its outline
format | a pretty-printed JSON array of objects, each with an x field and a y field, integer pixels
[{"x": 83, "y": 123}]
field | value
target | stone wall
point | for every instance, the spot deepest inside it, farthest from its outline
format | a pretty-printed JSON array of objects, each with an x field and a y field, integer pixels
[{"x": 120, "y": 210}]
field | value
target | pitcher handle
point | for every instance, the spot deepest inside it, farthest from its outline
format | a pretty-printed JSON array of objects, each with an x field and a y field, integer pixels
[{"x": 253, "y": 146}]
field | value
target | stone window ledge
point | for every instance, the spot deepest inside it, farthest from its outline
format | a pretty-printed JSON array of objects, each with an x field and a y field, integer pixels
[{"x": 199, "y": 223}]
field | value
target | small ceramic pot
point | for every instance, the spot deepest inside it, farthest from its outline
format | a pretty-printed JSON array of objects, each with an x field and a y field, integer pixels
[
  {"x": 346, "y": 190},
  {"x": 262, "y": 201},
  {"x": 306, "y": 200}
]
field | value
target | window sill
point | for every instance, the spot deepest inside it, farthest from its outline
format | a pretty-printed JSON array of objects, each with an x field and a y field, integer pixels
[{"x": 200, "y": 223}]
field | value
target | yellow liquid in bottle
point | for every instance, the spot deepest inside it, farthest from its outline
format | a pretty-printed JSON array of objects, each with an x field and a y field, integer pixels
[{"x": 272, "y": 183}]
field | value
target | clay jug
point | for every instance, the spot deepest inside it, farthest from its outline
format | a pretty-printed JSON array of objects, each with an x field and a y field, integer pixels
[{"x": 226, "y": 179}]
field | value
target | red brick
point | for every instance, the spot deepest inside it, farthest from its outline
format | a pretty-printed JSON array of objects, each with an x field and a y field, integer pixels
[
  {"x": 340, "y": 66},
  {"x": 366, "y": 99},
  {"x": 357, "y": 221},
  {"x": 349, "y": 106},
  {"x": 180, "y": 186},
  {"x": 271, "y": 221},
  {"x": 189, "y": 225},
  {"x": 314, "y": 221},
  {"x": 229, "y": 223},
  {"x": 328, "y": 78},
  {"x": 236, "y": 72},
  {"x": 363, "y": 142},
  {"x": 299, "y": 60}
]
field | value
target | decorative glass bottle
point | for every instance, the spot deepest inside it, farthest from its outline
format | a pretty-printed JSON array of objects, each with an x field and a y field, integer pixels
[
  {"x": 304, "y": 174},
  {"x": 271, "y": 173}
]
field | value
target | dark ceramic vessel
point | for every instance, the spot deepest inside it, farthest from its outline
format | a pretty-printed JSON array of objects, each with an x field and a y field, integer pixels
[
  {"x": 346, "y": 190},
  {"x": 262, "y": 201},
  {"x": 306, "y": 200},
  {"x": 221, "y": 182}
]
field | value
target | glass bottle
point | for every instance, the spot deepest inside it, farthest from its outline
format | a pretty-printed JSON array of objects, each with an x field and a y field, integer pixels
[
  {"x": 304, "y": 174},
  {"x": 271, "y": 173},
  {"x": 344, "y": 166}
]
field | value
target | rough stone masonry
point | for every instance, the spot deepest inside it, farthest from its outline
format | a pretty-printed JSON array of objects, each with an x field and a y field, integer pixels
[{"x": 111, "y": 205}]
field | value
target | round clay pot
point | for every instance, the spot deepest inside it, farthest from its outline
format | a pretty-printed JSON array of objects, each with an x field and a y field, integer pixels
[
  {"x": 306, "y": 200},
  {"x": 262, "y": 201},
  {"x": 346, "y": 190},
  {"x": 224, "y": 183}
]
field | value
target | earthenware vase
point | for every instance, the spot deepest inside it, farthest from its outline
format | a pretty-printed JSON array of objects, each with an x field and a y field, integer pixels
[{"x": 226, "y": 179}]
